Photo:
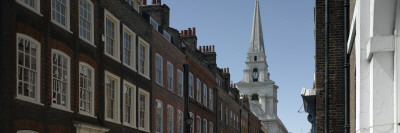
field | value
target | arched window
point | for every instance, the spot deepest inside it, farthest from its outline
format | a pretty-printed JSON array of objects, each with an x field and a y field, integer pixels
[
  {"x": 26, "y": 131},
  {"x": 28, "y": 68},
  {"x": 61, "y": 80}
]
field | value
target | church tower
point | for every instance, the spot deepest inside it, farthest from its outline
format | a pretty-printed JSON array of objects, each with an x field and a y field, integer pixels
[{"x": 256, "y": 82}]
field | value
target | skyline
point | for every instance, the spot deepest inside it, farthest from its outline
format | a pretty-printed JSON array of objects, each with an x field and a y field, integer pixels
[{"x": 286, "y": 69}]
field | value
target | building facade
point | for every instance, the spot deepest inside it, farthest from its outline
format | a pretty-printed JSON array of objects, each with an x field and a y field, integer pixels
[
  {"x": 115, "y": 66},
  {"x": 70, "y": 66},
  {"x": 374, "y": 67},
  {"x": 256, "y": 81}
]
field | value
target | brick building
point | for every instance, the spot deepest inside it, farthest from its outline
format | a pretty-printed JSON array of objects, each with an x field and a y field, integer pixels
[
  {"x": 70, "y": 66},
  {"x": 328, "y": 94},
  {"x": 109, "y": 66}
]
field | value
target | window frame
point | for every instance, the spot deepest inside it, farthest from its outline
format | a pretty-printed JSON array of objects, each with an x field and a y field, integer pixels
[
  {"x": 68, "y": 91},
  {"x": 159, "y": 67},
  {"x": 67, "y": 16},
  {"x": 146, "y": 71},
  {"x": 205, "y": 93},
  {"x": 26, "y": 131},
  {"x": 34, "y": 9},
  {"x": 132, "y": 105},
  {"x": 170, "y": 76},
  {"x": 170, "y": 108},
  {"x": 116, "y": 47},
  {"x": 191, "y": 85},
  {"x": 135, "y": 6},
  {"x": 153, "y": 23},
  {"x": 198, "y": 124},
  {"x": 205, "y": 126},
  {"x": 117, "y": 98},
  {"x": 210, "y": 127},
  {"x": 132, "y": 56},
  {"x": 179, "y": 82},
  {"x": 198, "y": 90},
  {"x": 161, "y": 116},
  {"x": 166, "y": 35},
  {"x": 210, "y": 99},
  {"x": 147, "y": 110},
  {"x": 37, "y": 99},
  {"x": 192, "y": 125},
  {"x": 179, "y": 125},
  {"x": 91, "y": 113},
  {"x": 91, "y": 41}
]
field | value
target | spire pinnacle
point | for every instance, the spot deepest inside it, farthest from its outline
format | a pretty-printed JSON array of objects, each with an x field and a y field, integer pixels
[{"x": 256, "y": 40}]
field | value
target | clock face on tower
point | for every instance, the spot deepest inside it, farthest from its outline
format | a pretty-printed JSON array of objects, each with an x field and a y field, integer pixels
[{"x": 255, "y": 75}]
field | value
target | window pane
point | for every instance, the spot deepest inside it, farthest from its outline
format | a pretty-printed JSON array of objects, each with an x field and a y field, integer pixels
[{"x": 60, "y": 79}]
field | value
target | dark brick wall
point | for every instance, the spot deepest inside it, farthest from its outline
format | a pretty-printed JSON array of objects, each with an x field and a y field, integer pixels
[
  {"x": 18, "y": 114},
  {"x": 336, "y": 65}
]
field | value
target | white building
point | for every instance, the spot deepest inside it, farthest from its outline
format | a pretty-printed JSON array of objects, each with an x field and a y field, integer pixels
[
  {"x": 256, "y": 82},
  {"x": 374, "y": 44}
]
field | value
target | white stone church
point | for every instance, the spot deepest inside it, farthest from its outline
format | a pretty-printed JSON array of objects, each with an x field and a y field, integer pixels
[{"x": 256, "y": 81}]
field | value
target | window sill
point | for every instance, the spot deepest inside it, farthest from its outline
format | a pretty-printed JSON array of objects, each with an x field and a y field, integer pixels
[
  {"x": 87, "y": 114},
  {"x": 61, "y": 26},
  {"x": 160, "y": 84},
  {"x": 87, "y": 41},
  {"x": 37, "y": 11},
  {"x": 112, "y": 57},
  {"x": 144, "y": 75},
  {"x": 26, "y": 99},
  {"x": 129, "y": 125},
  {"x": 113, "y": 120},
  {"x": 143, "y": 129},
  {"x": 130, "y": 67},
  {"x": 61, "y": 108}
]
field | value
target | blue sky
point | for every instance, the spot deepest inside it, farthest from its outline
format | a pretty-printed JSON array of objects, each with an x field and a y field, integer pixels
[{"x": 288, "y": 27}]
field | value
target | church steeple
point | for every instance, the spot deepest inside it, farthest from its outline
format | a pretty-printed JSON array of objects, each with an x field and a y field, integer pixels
[{"x": 256, "y": 41}]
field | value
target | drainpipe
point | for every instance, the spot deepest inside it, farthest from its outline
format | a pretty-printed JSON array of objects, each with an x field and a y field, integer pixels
[
  {"x": 346, "y": 68},
  {"x": 326, "y": 66},
  {"x": 186, "y": 97}
]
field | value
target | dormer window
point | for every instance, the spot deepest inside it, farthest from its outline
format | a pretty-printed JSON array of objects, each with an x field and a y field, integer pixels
[
  {"x": 154, "y": 23},
  {"x": 166, "y": 35},
  {"x": 133, "y": 3}
]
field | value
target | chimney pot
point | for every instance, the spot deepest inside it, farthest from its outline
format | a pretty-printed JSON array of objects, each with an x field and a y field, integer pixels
[
  {"x": 144, "y": 2},
  {"x": 227, "y": 70},
  {"x": 200, "y": 48},
  {"x": 159, "y": 2},
  {"x": 190, "y": 31},
  {"x": 194, "y": 31},
  {"x": 204, "y": 48},
  {"x": 213, "y": 48},
  {"x": 153, "y": 2},
  {"x": 207, "y": 49},
  {"x": 186, "y": 32}
]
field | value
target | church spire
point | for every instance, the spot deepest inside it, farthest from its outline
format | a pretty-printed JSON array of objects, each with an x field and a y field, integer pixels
[{"x": 256, "y": 41}]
